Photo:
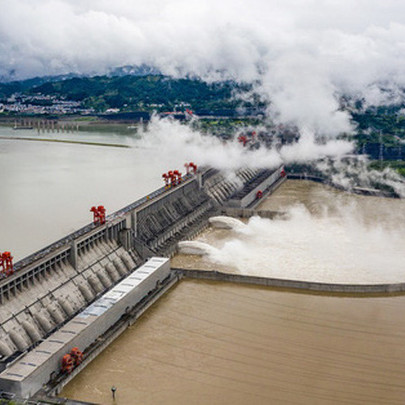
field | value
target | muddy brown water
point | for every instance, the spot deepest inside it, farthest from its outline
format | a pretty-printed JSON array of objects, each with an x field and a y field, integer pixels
[
  {"x": 322, "y": 199},
  {"x": 218, "y": 343}
]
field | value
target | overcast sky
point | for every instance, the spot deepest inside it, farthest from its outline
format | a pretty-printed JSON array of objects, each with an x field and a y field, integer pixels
[{"x": 306, "y": 52}]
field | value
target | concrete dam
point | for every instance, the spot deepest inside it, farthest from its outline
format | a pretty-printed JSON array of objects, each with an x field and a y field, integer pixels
[{"x": 85, "y": 289}]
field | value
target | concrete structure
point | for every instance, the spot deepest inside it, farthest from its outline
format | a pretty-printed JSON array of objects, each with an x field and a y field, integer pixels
[
  {"x": 51, "y": 287},
  {"x": 250, "y": 212},
  {"x": 309, "y": 286},
  {"x": 28, "y": 374},
  {"x": 220, "y": 189},
  {"x": 54, "y": 284},
  {"x": 264, "y": 182}
]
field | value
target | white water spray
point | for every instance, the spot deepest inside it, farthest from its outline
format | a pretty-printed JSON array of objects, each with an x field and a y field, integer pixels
[
  {"x": 192, "y": 247},
  {"x": 339, "y": 245},
  {"x": 223, "y": 222},
  {"x": 175, "y": 142}
]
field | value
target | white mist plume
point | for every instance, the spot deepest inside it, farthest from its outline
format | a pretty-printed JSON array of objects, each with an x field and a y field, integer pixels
[
  {"x": 354, "y": 172},
  {"x": 180, "y": 143},
  {"x": 306, "y": 54},
  {"x": 342, "y": 248}
]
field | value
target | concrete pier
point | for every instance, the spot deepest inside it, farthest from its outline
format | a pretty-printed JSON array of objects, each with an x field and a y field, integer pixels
[{"x": 301, "y": 285}]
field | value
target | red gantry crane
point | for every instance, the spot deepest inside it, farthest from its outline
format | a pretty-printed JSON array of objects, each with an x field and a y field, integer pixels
[
  {"x": 6, "y": 264},
  {"x": 174, "y": 177},
  {"x": 98, "y": 214}
]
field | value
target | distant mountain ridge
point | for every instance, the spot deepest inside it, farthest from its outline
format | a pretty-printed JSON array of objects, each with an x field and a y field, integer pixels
[
  {"x": 131, "y": 88},
  {"x": 131, "y": 70},
  {"x": 127, "y": 70}
]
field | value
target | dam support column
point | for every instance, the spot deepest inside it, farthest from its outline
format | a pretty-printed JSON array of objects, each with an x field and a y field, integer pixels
[
  {"x": 200, "y": 180},
  {"x": 125, "y": 239},
  {"x": 125, "y": 235},
  {"x": 73, "y": 257},
  {"x": 134, "y": 223}
]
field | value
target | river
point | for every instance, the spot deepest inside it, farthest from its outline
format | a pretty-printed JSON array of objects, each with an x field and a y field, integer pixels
[
  {"x": 48, "y": 188},
  {"x": 221, "y": 343}
]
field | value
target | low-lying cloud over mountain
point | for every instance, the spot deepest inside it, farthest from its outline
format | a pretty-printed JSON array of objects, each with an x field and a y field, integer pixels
[{"x": 305, "y": 53}]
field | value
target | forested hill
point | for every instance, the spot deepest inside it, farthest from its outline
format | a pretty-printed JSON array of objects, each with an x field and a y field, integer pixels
[{"x": 157, "y": 92}]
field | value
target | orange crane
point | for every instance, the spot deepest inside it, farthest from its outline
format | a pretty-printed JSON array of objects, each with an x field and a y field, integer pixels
[
  {"x": 98, "y": 214},
  {"x": 6, "y": 264}
]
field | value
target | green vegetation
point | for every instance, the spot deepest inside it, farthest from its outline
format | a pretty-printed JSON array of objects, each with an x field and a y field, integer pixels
[
  {"x": 380, "y": 123},
  {"x": 397, "y": 165},
  {"x": 9, "y": 402},
  {"x": 381, "y": 135},
  {"x": 145, "y": 93},
  {"x": 225, "y": 128}
]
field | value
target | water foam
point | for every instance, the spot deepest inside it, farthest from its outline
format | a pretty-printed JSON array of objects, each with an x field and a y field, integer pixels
[{"x": 340, "y": 247}]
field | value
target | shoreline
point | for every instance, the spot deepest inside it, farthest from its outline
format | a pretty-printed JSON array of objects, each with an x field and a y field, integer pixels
[{"x": 19, "y": 138}]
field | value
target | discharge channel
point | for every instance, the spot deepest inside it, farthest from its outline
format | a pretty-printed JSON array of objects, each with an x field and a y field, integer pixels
[{"x": 218, "y": 343}]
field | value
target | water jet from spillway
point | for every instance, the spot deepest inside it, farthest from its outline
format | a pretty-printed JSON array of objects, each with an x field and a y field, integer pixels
[
  {"x": 192, "y": 247},
  {"x": 223, "y": 222}
]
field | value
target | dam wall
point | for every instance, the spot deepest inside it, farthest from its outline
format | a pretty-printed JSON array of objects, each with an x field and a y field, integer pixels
[
  {"x": 160, "y": 223},
  {"x": 250, "y": 212},
  {"x": 40, "y": 299},
  {"x": 220, "y": 187},
  {"x": 52, "y": 286}
]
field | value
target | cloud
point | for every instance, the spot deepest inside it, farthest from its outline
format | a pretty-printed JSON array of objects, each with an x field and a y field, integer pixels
[
  {"x": 176, "y": 143},
  {"x": 306, "y": 53},
  {"x": 354, "y": 172}
]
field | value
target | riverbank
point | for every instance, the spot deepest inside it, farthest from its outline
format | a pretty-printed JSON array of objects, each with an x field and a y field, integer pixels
[{"x": 18, "y": 138}]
